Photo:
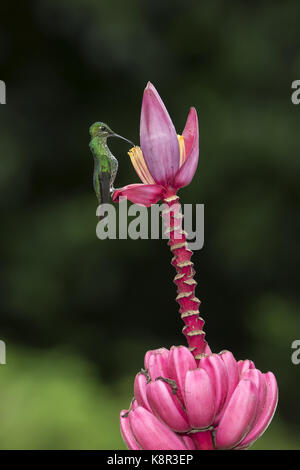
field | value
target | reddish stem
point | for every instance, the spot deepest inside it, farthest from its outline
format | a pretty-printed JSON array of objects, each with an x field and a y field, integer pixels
[{"x": 184, "y": 279}]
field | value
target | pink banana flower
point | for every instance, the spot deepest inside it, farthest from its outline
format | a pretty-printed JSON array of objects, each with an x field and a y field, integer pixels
[
  {"x": 212, "y": 403},
  {"x": 165, "y": 162},
  {"x": 187, "y": 398}
]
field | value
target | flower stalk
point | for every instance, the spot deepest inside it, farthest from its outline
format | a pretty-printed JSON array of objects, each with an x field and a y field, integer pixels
[{"x": 184, "y": 279}]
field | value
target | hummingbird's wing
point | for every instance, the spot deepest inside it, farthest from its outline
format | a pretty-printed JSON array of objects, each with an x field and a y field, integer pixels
[{"x": 101, "y": 178}]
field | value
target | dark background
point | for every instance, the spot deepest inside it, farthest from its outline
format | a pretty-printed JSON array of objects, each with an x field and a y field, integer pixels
[{"x": 77, "y": 313}]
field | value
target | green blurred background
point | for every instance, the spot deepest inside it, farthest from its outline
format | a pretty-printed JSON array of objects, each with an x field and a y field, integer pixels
[{"x": 77, "y": 313}]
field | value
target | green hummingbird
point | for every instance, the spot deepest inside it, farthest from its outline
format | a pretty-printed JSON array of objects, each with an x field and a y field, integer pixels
[{"x": 105, "y": 163}]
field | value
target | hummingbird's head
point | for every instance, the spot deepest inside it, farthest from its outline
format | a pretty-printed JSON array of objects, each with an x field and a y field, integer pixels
[{"x": 100, "y": 129}]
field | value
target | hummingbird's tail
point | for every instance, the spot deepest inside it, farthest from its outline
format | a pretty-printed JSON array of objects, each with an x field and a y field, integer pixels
[
  {"x": 100, "y": 217},
  {"x": 102, "y": 214},
  {"x": 111, "y": 192}
]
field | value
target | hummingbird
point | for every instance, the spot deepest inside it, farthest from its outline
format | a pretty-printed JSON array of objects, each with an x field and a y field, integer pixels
[{"x": 105, "y": 163}]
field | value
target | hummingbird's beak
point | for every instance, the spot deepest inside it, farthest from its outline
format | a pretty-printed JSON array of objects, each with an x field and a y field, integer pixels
[{"x": 123, "y": 138}]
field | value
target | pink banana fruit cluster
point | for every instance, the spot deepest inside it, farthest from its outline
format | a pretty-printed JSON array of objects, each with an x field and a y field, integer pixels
[{"x": 212, "y": 403}]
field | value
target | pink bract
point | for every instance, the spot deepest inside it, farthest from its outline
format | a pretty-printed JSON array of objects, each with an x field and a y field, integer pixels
[{"x": 166, "y": 161}]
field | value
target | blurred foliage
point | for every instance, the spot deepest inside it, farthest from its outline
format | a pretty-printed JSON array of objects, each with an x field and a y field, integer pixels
[
  {"x": 68, "y": 63},
  {"x": 55, "y": 401}
]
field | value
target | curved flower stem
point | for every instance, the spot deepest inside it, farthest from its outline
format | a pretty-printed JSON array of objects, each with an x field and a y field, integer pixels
[{"x": 184, "y": 279}]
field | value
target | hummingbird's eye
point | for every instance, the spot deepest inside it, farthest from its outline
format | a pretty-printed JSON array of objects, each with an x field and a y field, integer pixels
[{"x": 103, "y": 128}]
